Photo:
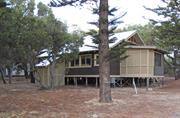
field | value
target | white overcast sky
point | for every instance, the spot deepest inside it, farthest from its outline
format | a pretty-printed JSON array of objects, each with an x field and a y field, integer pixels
[{"x": 134, "y": 8}]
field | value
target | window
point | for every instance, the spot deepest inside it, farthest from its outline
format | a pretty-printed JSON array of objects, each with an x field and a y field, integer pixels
[
  {"x": 158, "y": 60},
  {"x": 77, "y": 62},
  {"x": 82, "y": 61},
  {"x": 74, "y": 63},
  {"x": 86, "y": 60},
  {"x": 96, "y": 59}
]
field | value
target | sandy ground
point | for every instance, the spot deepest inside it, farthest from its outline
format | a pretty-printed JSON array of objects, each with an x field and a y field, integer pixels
[{"x": 24, "y": 100}]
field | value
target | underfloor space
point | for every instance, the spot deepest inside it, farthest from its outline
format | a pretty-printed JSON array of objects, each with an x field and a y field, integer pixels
[
  {"x": 115, "y": 82},
  {"x": 82, "y": 81}
]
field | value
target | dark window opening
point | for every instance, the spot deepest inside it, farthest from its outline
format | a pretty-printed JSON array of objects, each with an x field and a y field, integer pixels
[
  {"x": 77, "y": 62},
  {"x": 72, "y": 63},
  {"x": 97, "y": 59},
  {"x": 158, "y": 60},
  {"x": 83, "y": 62},
  {"x": 88, "y": 61}
]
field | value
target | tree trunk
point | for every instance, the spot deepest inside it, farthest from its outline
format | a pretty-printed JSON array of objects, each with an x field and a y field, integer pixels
[
  {"x": 10, "y": 74},
  {"x": 104, "y": 66},
  {"x": 26, "y": 73},
  {"x": 31, "y": 72},
  {"x": 2, "y": 75},
  {"x": 32, "y": 77},
  {"x": 53, "y": 72}
]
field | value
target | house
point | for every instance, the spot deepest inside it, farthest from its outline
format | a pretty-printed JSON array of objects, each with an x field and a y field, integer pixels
[{"x": 143, "y": 62}]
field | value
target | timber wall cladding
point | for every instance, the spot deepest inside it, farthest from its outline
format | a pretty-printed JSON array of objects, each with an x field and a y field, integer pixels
[
  {"x": 138, "y": 63},
  {"x": 151, "y": 62},
  {"x": 60, "y": 72},
  {"x": 44, "y": 75}
]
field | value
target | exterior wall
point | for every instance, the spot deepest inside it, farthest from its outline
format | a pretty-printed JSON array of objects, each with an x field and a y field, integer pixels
[
  {"x": 60, "y": 74},
  {"x": 93, "y": 69},
  {"x": 151, "y": 62},
  {"x": 140, "y": 63},
  {"x": 43, "y": 74}
]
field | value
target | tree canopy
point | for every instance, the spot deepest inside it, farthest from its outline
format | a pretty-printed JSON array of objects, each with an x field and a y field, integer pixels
[
  {"x": 24, "y": 34},
  {"x": 168, "y": 29}
]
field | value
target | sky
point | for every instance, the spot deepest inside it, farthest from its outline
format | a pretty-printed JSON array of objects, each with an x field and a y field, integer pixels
[{"x": 78, "y": 18}]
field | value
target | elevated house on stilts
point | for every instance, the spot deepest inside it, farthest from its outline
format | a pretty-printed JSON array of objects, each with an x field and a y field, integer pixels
[{"x": 144, "y": 65}]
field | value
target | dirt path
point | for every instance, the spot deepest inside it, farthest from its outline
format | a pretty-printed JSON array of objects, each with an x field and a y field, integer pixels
[{"x": 24, "y": 100}]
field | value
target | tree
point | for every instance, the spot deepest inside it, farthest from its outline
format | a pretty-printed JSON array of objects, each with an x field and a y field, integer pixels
[
  {"x": 104, "y": 64},
  {"x": 7, "y": 48},
  {"x": 22, "y": 35},
  {"x": 104, "y": 67},
  {"x": 168, "y": 29},
  {"x": 118, "y": 52},
  {"x": 60, "y": 41},
  {"x": 3, "y": 3}
]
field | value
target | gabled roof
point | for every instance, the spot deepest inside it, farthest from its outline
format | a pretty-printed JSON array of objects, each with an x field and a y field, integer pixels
[
  {"x": 123, "y": 36},
  {"x": 90, "y": 46},
  {"x": 45, "y": 62}
]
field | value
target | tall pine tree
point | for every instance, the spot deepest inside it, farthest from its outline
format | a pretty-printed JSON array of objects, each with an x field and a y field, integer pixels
[
  {"x": 168, "y": 29},
  {"x": 104, "y": 66}
]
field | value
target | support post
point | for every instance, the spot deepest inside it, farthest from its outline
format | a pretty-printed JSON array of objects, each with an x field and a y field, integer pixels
[
  {"x": 147, "y": 84},
  {"x": 154, "y": 82},
  {"x": 86, "y": 81},
  {"x": 134, "y": 84},
  {"x": 75, "y": 81},
  {"x": 162, "y": 81},
  {"x": 138, "y": 81},
  {"x": 67, "y": 80},
  {"x": 121, "y": 85},
  {"x": 96, "y": 82},
  {"x": 158, "y": 84}
]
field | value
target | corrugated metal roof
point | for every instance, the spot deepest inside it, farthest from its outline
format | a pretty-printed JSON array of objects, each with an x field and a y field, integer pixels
[
  {"x": 90, "y": 46},
  {"x": 44, "y": 54}
]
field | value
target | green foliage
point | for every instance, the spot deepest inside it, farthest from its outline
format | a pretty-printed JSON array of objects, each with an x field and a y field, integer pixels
[
  {"x": 118, "y": 51},
  {"x": 23, "y": 34},
  {"x": 104, "y": 68},
  {"x": 43, "y": 10},
  {"x": 168, "y": 29}
]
